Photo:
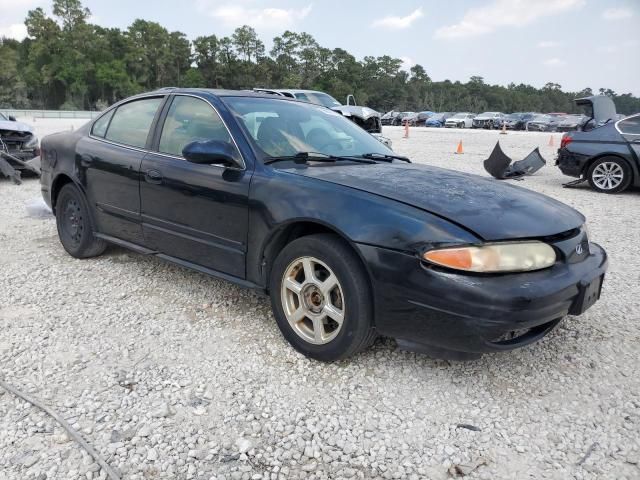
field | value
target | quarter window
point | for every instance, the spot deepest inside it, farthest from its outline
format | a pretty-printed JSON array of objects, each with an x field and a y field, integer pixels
[
  {"x": 190, "y": 120},
  {"x": 630, "y": 126},
  {"x": 131, "y": 122},
  {"x": 100, "y": 126}
]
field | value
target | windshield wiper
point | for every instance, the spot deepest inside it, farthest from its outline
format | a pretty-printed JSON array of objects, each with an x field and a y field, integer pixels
[
  {"x": 385, "y": 157},
  {"x": 304, "y": 157}
]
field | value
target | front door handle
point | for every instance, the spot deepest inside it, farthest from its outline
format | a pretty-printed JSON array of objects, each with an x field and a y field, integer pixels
[{"x": 153, "y": 176}]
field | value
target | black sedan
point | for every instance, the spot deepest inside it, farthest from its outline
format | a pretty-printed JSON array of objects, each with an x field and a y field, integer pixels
[
  {"x": 607, "y": 156},
  {"x": 543, "y": 123},
  {"x": 516, "y": 121},
  {"x": 350, "y": 240}
]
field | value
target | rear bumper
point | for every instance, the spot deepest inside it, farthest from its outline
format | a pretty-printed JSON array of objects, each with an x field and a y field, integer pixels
[
  {"x": 571, "y": 164},
  {"x": 452, "y": 315}
]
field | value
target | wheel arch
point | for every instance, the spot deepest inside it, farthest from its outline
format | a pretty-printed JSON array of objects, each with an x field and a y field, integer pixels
[
  {"x": 284, "y": 234},
  {"x": 60, "y": 181}
]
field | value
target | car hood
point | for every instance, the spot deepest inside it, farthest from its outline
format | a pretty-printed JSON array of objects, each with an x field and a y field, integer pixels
[
  {"x": 15, "y": 126},
  {"x": 356, "y": 111},
  {"x": 492, "y": 209}
]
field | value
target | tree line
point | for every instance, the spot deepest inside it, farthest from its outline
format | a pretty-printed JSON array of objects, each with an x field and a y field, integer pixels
[{"x": 67, "y": 62}]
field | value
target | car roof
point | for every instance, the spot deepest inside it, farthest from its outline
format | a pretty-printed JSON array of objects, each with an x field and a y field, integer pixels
[{"x": 218, "y": 92}]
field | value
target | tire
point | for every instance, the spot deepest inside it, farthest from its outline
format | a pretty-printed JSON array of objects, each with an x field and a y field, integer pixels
[
  {"x": 461, "y": 125},
  {"x": 609, "y": 175},
  {"x": 305, "y": 300},
  {"x": 75, "y": 226}
]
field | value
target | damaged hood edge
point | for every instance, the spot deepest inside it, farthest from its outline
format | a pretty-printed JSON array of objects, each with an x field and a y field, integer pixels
[
  {"x": 15, "y": 126},
  {"x": 356, "y": 111}
]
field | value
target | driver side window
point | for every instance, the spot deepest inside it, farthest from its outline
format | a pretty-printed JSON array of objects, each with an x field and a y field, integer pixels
[{"x": 189, "y": 120}]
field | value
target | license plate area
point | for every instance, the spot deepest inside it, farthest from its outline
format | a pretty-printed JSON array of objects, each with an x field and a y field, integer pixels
[{"x": 588, "y": 294}]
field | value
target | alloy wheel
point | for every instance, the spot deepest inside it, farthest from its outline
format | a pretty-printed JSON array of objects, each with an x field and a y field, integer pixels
[
  {"x": 312, "y": 300},
  {"x": 608, "y": 175}
]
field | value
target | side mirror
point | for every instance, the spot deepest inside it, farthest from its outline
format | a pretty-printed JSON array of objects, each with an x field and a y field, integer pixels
[
  {"x": 211, "y": 152},
  {"x": 350, "y": 99},
  {"x": 12, "y": 118}
]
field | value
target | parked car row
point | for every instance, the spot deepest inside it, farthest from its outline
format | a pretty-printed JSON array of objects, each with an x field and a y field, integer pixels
[{"x": 531, "y": 121}]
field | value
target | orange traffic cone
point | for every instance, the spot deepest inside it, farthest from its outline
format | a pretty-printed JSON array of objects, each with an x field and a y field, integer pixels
[
  {"x": 551, "y": 141},
  {"x": 459, "y": 150},
  {"x": 504, "y": 128},
  {"x": 406, "y": 129}
]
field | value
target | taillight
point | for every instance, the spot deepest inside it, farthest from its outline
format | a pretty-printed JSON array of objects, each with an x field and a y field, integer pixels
[{"x": 566, "y": 140}]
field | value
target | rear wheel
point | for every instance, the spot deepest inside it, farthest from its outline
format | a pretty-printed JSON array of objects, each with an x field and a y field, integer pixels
[
  {"x": 75, "y": 227},
  {"x": 609, "y": 175},
  {"x": 321, "y": 298}
]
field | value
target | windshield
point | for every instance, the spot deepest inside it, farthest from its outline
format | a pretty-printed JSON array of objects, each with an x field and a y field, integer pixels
[
  {"x": 2, "y": 117},
  {"x": 459, "y": 115},
  {"x": 437, "y": 116},
  {"x": 318, "y": 98},
  {"x": 281, "y": 128},
  {"x": 513, "y": 116}
]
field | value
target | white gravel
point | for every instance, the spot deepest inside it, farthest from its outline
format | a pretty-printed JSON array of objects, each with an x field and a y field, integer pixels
[{"x": 170, "y": 374}]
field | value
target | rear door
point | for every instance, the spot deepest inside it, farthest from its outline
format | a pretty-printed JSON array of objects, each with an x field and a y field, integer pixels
[
  {"x": 110, "y": 159},
  {"x": 195, "y": 213}
]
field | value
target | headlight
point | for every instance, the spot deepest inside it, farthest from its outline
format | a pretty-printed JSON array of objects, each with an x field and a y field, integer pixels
[
  {"x": 32, "y": 143},
  {"x": 496, "y": 257}
]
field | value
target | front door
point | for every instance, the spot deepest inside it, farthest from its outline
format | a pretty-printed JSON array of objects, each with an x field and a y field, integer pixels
[{"x": 196, "y": 213}]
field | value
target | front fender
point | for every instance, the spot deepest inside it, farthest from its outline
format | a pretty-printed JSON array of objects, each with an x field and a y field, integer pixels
[{"x": 278, "y": 200}]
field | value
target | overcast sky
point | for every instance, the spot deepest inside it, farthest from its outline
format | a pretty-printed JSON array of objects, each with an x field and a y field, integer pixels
[{"x": 576, "y": 43}]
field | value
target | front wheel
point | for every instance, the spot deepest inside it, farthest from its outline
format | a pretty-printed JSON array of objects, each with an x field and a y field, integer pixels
[
  {"x": 609, "y": 175},
  {"x": 461, "y": 125},
  {"x": 75, "y": 227},
  {"x": 321, "y": 298}
]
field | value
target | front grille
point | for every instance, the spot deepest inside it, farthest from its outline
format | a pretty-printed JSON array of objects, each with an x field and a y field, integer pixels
[{"x": 13, "y": 140}]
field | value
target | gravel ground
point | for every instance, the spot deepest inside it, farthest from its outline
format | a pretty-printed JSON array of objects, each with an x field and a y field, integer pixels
[{"x": 171, "y": 374}]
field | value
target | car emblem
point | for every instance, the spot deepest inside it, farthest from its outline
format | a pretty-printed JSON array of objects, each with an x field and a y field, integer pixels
[{"x": 579, "y": 249}]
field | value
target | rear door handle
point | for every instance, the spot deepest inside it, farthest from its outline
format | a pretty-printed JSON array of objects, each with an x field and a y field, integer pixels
[{"x": 153, "y": 176}]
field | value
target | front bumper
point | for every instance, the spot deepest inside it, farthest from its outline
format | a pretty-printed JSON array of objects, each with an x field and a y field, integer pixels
[
  {"x": 459, "y": 316},
  {"x": 483, "y": 124},
  {"x": 23, "y": 155}
]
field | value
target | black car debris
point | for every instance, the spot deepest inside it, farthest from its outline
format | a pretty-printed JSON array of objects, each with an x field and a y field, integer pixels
[{"x": 350, "y": 240}]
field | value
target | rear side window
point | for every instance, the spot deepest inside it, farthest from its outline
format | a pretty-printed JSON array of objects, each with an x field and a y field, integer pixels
[
  {"x": 100, "y": 126},
  {"x": 131, "y": 122},
  {"x": 189, "y": 120},
  {"x": 630, "y": 126}
]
